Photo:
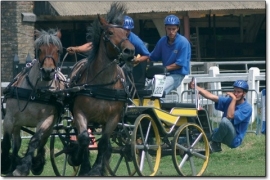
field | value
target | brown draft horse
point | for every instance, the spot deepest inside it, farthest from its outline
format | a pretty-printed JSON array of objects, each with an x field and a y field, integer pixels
[
  {"x": 103, "y": 93},
  {"x": 30, "y": 103}
]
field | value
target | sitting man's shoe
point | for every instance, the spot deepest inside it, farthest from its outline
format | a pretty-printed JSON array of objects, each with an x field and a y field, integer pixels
[{"x": 215, "y": 147}]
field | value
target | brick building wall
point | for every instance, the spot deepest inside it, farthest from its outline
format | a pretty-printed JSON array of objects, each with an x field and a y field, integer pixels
[{"x": 17, "y": 37}]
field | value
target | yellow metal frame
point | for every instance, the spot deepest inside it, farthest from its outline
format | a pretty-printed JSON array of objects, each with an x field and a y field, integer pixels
[
  {"x": 177, "y": 115},
  {"x": 147, "y": 102},
  {"x": 190, "y": 112},
  {"x": 166, "y": 117}
]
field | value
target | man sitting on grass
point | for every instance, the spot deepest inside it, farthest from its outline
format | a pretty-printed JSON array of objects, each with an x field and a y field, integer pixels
[{"x": 236, "y": 115}]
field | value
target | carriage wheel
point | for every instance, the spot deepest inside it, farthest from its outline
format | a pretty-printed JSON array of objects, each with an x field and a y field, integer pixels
[
  {"x": 120, "y": 163},
  {"x": 60, "y": 144},
  {"x": 145, "y": 146},
  {"x": 190, "y": 149}
]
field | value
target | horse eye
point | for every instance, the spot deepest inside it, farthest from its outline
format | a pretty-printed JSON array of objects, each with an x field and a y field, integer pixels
[
  {"x": 39, "y": 51},
  {"x": 110, "y": 33}
]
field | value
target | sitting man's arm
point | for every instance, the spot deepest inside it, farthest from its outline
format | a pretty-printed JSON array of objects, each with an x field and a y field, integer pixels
[
  {"x": 204, "y": 92},
  {"x": 80, "y": 49}
]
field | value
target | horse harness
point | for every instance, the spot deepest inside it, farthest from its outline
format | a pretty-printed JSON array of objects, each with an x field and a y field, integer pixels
[
  {"x": 38, "y": 95},
  {"x": 99, "y": 91}
]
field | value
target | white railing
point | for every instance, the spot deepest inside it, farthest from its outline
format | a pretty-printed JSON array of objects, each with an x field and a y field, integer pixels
[{"x": 245, "y": 65}]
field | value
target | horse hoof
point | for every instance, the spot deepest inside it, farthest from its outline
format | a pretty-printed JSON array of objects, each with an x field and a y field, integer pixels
[
  {"x": 5, "y": 170},
  {"x": 37, "y": 166},
  {"x": 17, "y": 173},
  {"x": 37, "y": 171},
  {"x": 94, "y": 172},
  {"x": 9, "y": 174},
  {"x": 83, "y": 175},
  {"x": 72, "y": 162},
  {"x": 5, "y": 165}
]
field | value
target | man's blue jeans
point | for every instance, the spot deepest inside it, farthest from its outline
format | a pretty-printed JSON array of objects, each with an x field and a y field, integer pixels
[
  {"x": 172, "y": 82},
  {"x": 225, "y": 133}
]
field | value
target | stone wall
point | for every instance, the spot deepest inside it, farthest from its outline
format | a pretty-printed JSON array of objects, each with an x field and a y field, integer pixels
[{"x": 17, "y": 37}]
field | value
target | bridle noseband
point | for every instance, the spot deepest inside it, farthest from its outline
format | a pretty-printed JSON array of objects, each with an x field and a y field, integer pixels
[
  {"x": 107, "y": 39},
  {"x": 41, "y": 62},
  {"x": 48, "y": 56}
]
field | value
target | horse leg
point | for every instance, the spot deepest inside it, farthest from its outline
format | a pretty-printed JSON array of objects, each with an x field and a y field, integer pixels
[
  {"x": 85, "y": 165},
  {"x": 5, "y": 156},
  {"x": 17, "y": 140},
  {"x": 6, "y": 161},
  {"x": 82, "y": 154},
  {"x": 104, "y": 148},
  {"x": 104, "y": 153},
  {"x": 38, "y": 161},
  {"x": 24, "y": 168}
]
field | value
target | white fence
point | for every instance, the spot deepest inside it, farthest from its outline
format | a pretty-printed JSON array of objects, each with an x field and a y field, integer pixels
[{"x": 232, "y": 65}]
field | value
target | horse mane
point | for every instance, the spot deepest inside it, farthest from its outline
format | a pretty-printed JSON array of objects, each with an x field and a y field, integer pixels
[
  {"x": 47, "y": 38},
  {"x": 114, "y": 16}
]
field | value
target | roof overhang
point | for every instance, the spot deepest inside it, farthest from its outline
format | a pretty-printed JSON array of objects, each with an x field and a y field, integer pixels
[{"x": 139, "y": 9}]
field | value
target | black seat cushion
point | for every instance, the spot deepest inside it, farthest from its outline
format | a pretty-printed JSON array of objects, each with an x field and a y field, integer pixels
[
  {"x": 153, "y": 70},
  {"x": 143, "y": 92},
  {"x": 169, "y": 106},
  {"x": 139, "y": 75}
]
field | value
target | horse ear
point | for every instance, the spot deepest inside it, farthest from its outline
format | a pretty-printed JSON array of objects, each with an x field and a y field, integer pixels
[
  {"x": 102, "y": 20},
  {"x": 59, "y": 34},
  {"x": 36, "y": 33}
]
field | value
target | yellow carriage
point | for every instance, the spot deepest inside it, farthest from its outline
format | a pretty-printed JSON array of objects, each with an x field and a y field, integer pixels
[{"x": 148, "y": 130}]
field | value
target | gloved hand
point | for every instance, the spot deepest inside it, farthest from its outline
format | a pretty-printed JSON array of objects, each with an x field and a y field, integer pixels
[
  {"x": 72, "y": 50},
  {"x": 191, "y": 84},
  {"x": 136, "y": 60}
]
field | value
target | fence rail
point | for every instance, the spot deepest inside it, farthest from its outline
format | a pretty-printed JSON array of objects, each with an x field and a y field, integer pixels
[{"x": 227, "y": 66}]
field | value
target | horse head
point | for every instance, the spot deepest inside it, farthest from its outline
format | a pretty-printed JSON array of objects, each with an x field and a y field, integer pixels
[
  {"x": 48, "y": 50},
  {"x": 117, "y": 44}
]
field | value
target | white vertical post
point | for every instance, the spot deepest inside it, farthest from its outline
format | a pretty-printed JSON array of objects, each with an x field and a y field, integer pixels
[
  {"x": 213, "y": 72},
  {"x": 253, "y": 85},
  {"x": 183, "y": 86}
]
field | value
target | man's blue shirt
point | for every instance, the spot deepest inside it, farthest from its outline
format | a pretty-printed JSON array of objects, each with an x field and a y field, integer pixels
[
  {"x": 241, "y": 118},
  {"x": 264, "y": 92},
  {"x": 179, "y": 53},
  {"x": 140, "y": 47}
]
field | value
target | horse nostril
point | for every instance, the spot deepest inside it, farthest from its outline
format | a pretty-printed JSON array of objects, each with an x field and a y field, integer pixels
[{"x": 130, "y": 52}]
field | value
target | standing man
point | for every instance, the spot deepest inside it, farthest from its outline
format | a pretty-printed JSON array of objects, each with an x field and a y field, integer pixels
[
  {"x": 236, "y": 115},
  {"x": 175, "y": 52}
]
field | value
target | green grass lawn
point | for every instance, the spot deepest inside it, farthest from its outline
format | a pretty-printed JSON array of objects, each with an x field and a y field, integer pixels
[{"x": 247, "y": 160}]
